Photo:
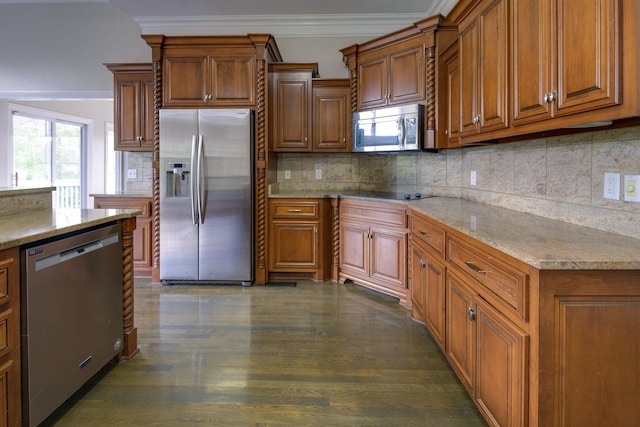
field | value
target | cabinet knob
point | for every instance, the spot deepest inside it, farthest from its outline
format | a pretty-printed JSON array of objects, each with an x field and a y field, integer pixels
[
  {"x": 472, "y": 314},
  {"x": 344, "y": 139},
  {"x": 423, "y": 264}
]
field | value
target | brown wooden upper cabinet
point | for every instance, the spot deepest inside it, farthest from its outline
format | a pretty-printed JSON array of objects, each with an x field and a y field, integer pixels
[
  {"x": 483, "y": 53},
  {"x": 133, "y": 106},
  {"x": 224, "y": 77},
  {"x": 563, "y": 65},
  {"x": 210, "y": 71},
  {"x": 308, "y": 114},
  {"x": 290, "y": 89},
  {"x": 531, "y": 66},
  {"x": 401, "y": 68}
]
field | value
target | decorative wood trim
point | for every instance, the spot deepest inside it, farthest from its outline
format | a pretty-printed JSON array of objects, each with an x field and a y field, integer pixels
[
  {"x": 335, "y": 238},
  {"x": 261, "y": 175},
  {"x": 157, "y": 103},
  {"x": 130, "y": 332},
  {"x": 430, "y": 84}
]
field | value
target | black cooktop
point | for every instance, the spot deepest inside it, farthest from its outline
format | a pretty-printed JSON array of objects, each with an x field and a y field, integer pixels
[{"x": 388, "y": 195}]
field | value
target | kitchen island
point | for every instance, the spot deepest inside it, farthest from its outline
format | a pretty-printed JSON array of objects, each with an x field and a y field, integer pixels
[{"x": 25, "y": 220}]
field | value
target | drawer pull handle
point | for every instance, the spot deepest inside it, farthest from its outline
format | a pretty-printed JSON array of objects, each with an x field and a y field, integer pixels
[
  {"x": 472, "y": 314},
  {"x": 423, "y": 233},
  {"x": 295, "y": 210},
  {"x": 474, "y": 268}
]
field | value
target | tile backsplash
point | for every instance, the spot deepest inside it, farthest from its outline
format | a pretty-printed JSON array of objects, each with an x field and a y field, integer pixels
[
  {"x": 557, "y": 177},
  {"x": 142, "y": 163}
]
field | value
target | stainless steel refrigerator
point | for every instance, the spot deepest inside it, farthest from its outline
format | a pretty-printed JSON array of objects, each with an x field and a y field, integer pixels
[{"x": 206, "y": 196}]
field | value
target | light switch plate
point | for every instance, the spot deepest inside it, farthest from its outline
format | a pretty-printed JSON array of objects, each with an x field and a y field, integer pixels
[
  {"x": 472, "y": 178},
  {"x": 632, "y": 188},
  {"x": 132, "y": 173},
  {"x": 318, "y": 173}
]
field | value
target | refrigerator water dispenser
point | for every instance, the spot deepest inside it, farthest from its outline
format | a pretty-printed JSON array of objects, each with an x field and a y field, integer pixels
[{"x": 178, "y": 179}]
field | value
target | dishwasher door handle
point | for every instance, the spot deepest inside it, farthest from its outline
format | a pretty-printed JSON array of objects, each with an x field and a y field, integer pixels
[{"x": 69, "y": 254}]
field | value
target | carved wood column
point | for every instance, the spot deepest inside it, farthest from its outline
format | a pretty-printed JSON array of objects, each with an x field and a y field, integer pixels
[
  {"x": 335, "y": 238},
  {"x": 261, "y": 175},
  {"x": 130, "y": 332}
]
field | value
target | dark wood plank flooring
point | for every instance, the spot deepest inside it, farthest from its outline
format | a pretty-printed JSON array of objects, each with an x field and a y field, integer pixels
[{"x": 310, "y": 355}]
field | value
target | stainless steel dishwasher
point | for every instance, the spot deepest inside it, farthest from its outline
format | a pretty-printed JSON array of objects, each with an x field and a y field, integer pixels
[{"x": 71, "y": 320}]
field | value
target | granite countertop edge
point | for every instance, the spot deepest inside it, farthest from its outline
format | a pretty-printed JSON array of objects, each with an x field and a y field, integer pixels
[
  {"x": 542, "y": 243},
  {"x": 47, "y": 223}
]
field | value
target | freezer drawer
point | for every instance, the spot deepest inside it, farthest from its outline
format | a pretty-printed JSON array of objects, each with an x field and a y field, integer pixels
[{"x": 71, "y": 315}]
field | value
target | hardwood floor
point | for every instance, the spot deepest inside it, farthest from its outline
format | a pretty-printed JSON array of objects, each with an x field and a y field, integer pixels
[{"x": 310, "y": 355}]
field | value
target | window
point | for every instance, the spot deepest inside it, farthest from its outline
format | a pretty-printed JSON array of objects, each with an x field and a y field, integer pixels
[{"x": 51, "y": 151}]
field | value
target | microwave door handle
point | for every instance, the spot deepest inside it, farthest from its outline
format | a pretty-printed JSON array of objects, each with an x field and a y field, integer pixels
[{"x": 402, "y": 131}]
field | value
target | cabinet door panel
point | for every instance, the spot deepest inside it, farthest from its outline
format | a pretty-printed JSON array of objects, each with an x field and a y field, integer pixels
[
  {"x": 291, "y": 129},
  {"x": 372, "y": 78},
  {"x": 418, "y": 282},
  {"x": 588, "y": 50},
  {"x": 406, "y": 73},
  {"x": 501, "y": 355},
  {"x": 142, "y": 243},
  {"x": 331, "y": 119},
  {"x": 532, "y": 66},
  {"x": 492, "y": 66},
  {"x": 354, "y": 247},
  {"x": 147, "y": 113},
  {"x": 460, "y": 330},
  {"x": 127, "y": 123},
  {"x": 388, "y": 261},
  {"x": 435, "y": 299},
  {"x": 294, "y": 245},
  {"x": 233, "y": 81},
  {"x": 185, "y": 81},
  {"x": 468, "y": 53}
]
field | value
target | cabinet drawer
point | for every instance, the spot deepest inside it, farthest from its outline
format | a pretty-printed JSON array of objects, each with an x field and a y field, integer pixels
[
  {"x": 288, "y": 209},
  {"x": 506, "y": 281},
  {"x": 429, "y": 233},
  {"x": 381, "y": 213}
]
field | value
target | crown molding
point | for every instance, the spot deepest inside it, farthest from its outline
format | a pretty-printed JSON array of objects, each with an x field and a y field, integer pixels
[{"x": 330, "y": 25}]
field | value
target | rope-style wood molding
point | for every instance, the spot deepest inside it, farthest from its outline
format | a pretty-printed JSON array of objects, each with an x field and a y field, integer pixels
[
  {"x": 130, "y": 333},
  {"x": 431, "y": 88},
  {"x": 261, "y": 172},
  {"x": 157, "y": 103},
  {"x": 335, "y": 260}
]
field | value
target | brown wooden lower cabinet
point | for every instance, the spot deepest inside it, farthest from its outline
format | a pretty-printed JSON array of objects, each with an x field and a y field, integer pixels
[
  {"x": 143, "y": 234},
  {"x": 10, "y": 402},
  {"x": 532, "y": 347},
  {"x": 373, "y": 246},
  {"x": 299, "y": 239}
]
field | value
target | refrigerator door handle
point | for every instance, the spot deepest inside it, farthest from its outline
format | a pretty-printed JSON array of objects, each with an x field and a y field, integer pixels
[
  {"x": 193, "y": 187},
  {"x": 200, "y": 198}
]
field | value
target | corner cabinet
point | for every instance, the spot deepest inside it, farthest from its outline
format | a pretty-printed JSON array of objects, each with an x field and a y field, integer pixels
[
  {"x": 133, "y": 106},
  {"x": 525, "y": 342},
  {"x": 10, "y": 358},
  {"x": 300, "y": 235},
  {"x": 373, "y": 246}
]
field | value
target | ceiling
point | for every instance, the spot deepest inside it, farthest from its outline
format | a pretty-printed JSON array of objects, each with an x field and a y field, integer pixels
[{"x": 296, "y": 18}]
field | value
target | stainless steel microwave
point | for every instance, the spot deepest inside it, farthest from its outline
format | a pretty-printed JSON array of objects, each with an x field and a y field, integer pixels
[{"x": 388, "y": 129}]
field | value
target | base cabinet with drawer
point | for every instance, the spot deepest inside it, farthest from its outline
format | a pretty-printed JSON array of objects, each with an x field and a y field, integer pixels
[
  {"x": 373, "y": 246},
  {"x": 299, "y": 239},
  {"x": 142, "y": 235},
  {"x": 533, "y": 347}
]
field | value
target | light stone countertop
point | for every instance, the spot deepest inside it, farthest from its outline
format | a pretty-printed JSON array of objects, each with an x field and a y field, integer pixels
[
  {"x": 543, "y": 243},
  {"x": 146, "y": 194},
  {"x": 16, "y": 230}
]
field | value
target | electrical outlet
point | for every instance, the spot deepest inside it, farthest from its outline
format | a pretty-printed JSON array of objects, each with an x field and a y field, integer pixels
[
  {"x": 632, "y": 188},
  {"x": 318, "y": 173},
  {"x": 287, "y": 174},
  {"x": 472, "y": 178},
  {"x": 612, "y": 186},
  {"x": 132, "y": 173}
]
